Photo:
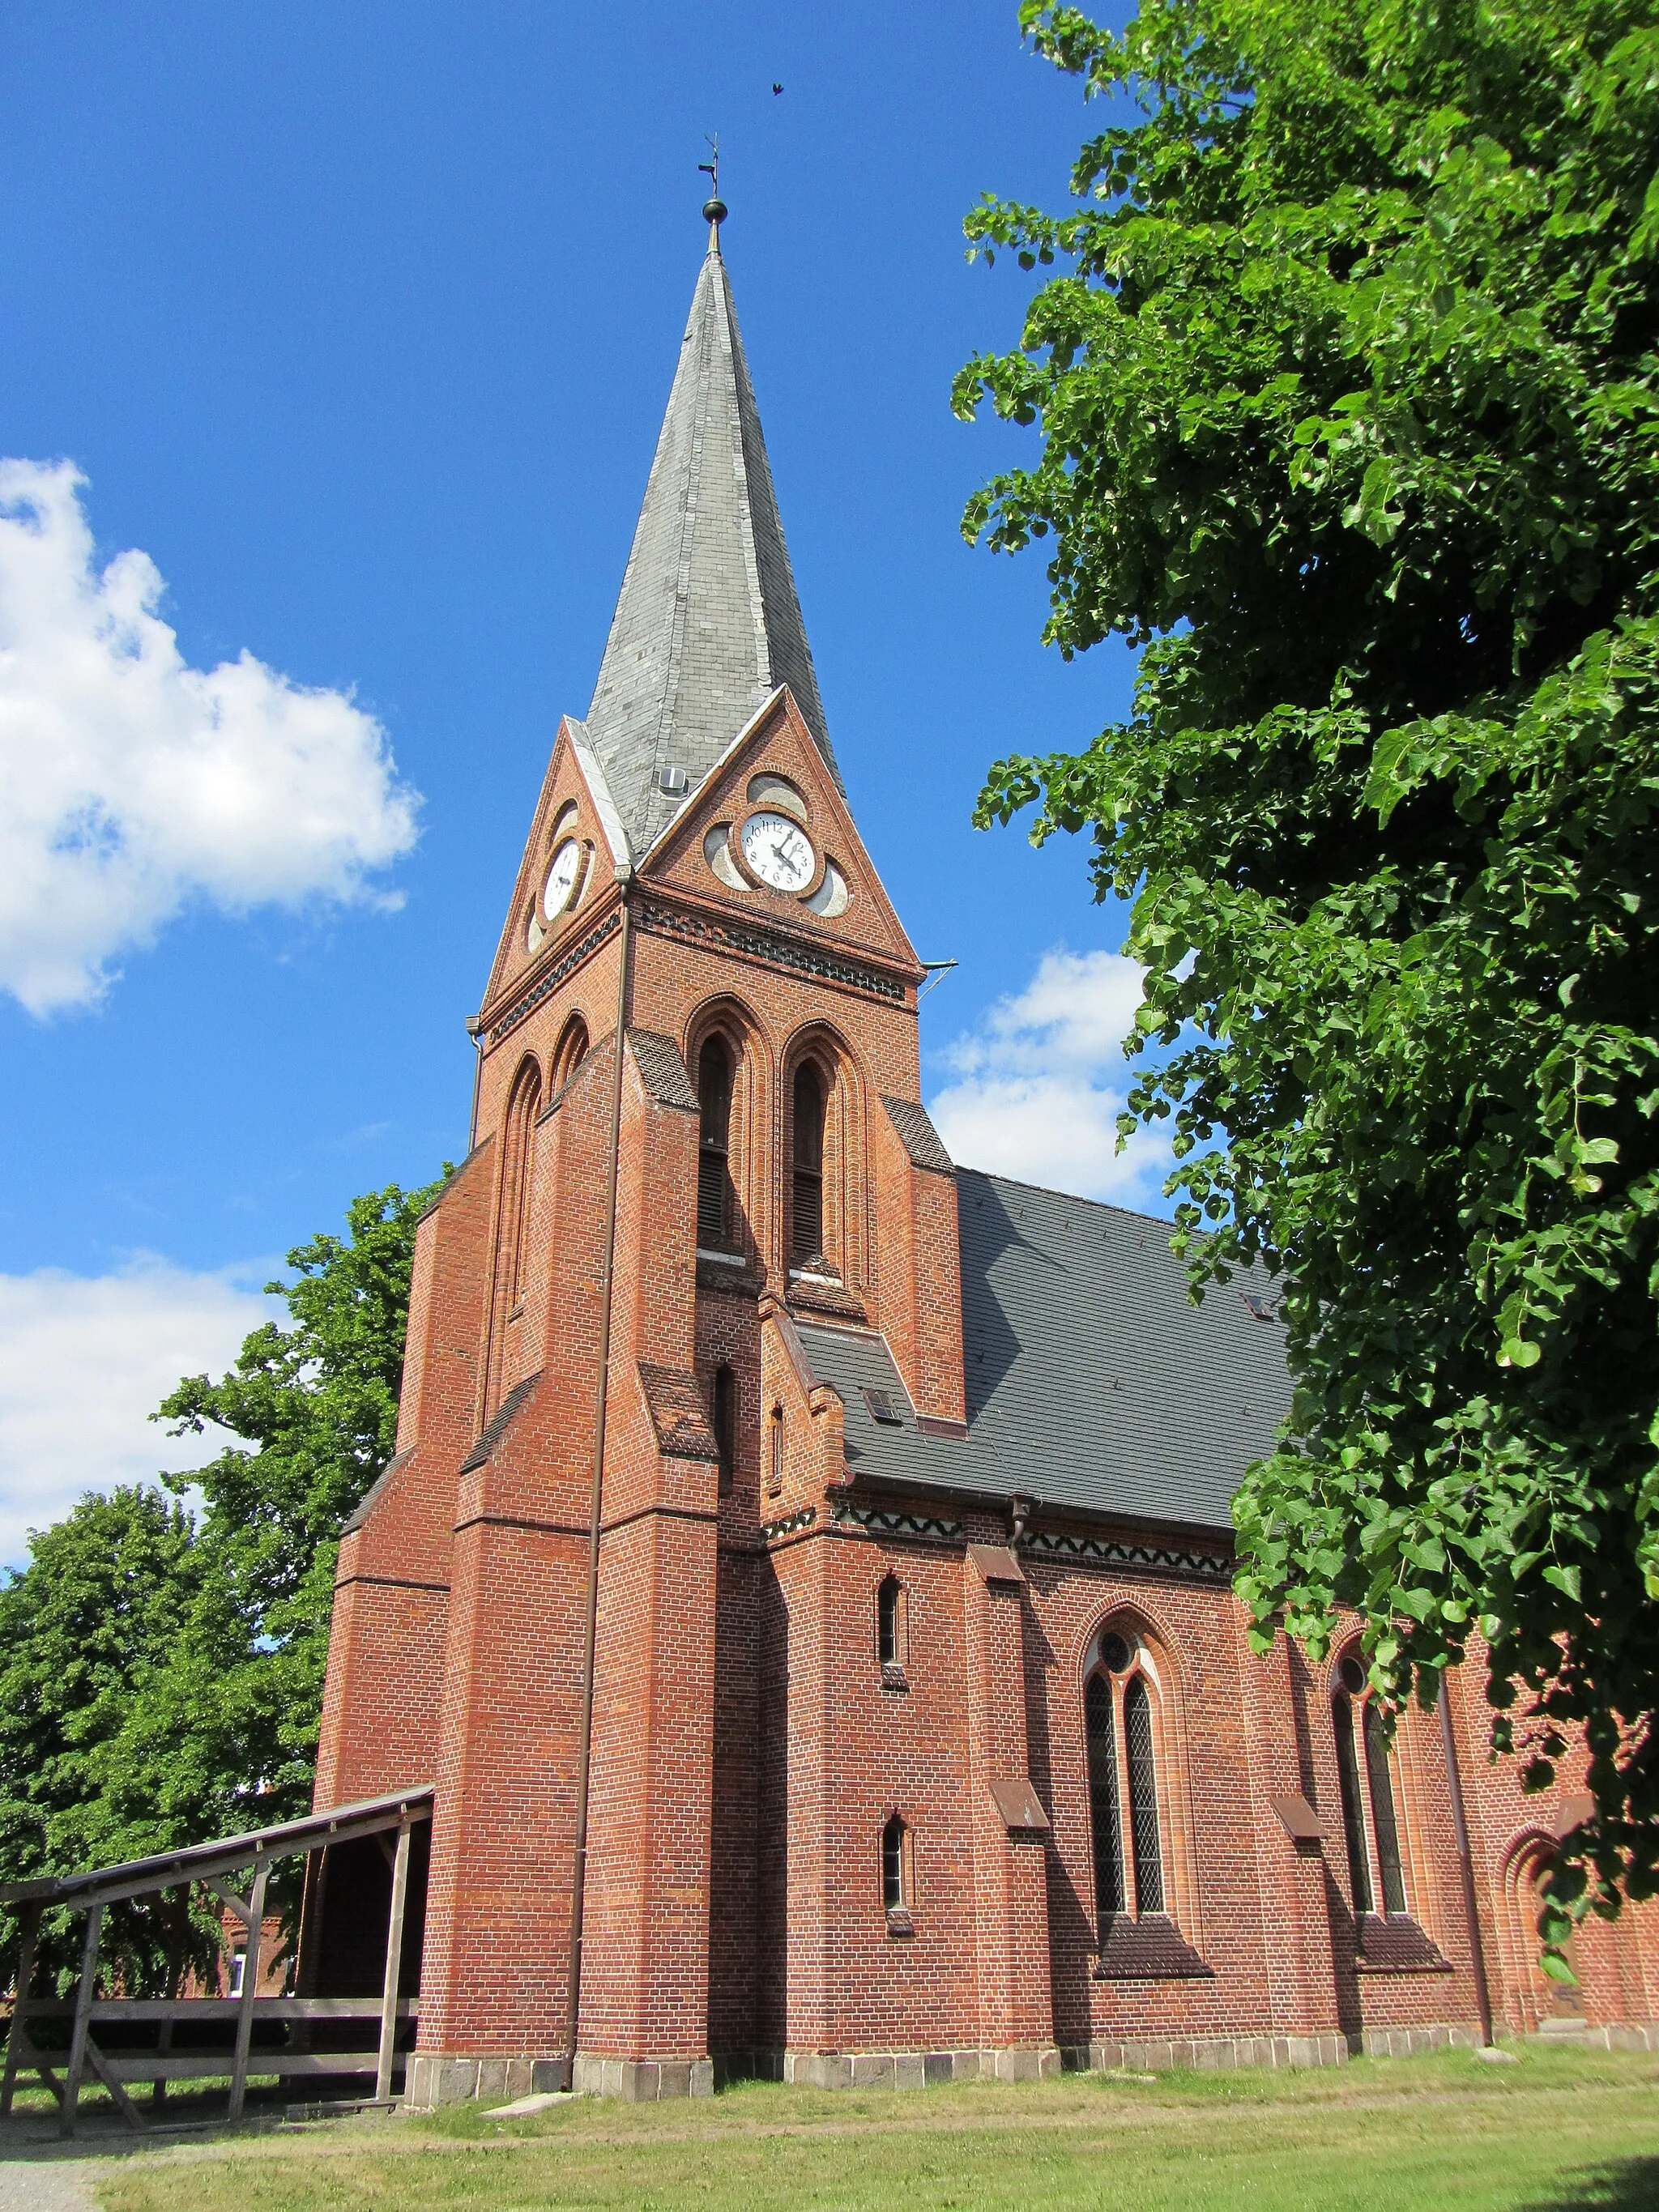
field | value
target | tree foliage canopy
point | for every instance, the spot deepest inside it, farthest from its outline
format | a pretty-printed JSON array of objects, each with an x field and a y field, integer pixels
[
  {"x": 1345, "y": 392},
  {"x": 160, "y": 1677}
]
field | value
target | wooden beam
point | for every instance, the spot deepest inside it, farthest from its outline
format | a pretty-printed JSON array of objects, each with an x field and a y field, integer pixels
[
  {"x": 124, "y": 2104},
  {"x": 212, "y": 2065},
  {"x": 394, "y": 1957},
  {"x": 184, "y": 2010},
  {"x": 256, "y": 1914},
  {"x": 225, "y": 1895},
  {"x": 28, "y": 1937},
  {"x": 83, "y": 1996},
  {"x": 49, "y": 2078}
]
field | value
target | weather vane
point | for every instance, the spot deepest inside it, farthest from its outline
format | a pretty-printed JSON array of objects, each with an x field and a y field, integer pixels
[{"x": 713, "y": 207}]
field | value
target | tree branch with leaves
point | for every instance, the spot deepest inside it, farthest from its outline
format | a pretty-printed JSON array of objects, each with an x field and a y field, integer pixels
[{"x": 1345, "y": 407}]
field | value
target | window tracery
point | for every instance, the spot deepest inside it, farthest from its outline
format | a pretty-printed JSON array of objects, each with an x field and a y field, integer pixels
[
  {"x": 1124, "y": 1752},
  {"x": 1364, "y": 1770}
]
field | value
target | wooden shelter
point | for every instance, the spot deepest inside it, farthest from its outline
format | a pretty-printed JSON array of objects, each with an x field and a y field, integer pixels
[{"x": 160, "y": 2040}]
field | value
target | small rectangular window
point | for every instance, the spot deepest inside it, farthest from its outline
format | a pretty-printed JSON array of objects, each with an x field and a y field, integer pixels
[
  {"x": 238, "y": 1967},
  {"x": 882, "y": 1409},
  {"x": 774, "y": 1467}
]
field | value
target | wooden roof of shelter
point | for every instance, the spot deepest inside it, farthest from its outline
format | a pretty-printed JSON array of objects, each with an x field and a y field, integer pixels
[{"x": 202, "y": 1862}]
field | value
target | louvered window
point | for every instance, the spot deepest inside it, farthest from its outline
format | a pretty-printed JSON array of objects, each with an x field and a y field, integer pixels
[
  {"x": 806, "y": 1208},
  {"x": 714, "y": 1149},
  {"x": 1143, "y": 1797}
]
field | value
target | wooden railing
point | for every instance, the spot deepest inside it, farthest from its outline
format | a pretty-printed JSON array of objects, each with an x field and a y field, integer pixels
[{"x": 117, "y": 2061}]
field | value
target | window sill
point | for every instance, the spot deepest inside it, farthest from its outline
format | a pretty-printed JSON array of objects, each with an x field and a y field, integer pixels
[
  {"x": 894, "y": 1678},
  {"x": 1394, "y": 1944},
  {"x": 1149, "y": 1950},
  {"x": 726, "y": 1271},
  {"x": 900, "y": 1923},
  {"x": 517, "y": 1313}
]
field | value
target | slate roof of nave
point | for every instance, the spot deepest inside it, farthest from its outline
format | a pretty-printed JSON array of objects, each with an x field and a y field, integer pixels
[
  {"x": 707, "y": 625},
  {"x": 1093, "y": 1382}
]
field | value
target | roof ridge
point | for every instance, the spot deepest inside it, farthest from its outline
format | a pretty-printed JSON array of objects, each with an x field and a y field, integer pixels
[{"x": 1071, "y": 1197}]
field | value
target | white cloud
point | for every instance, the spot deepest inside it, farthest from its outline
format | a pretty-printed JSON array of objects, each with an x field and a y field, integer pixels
[
  {"x": 132, "y": 784},
  {"x": 84, "y": 1359},
  {"x": 1039, "y": 1084}
]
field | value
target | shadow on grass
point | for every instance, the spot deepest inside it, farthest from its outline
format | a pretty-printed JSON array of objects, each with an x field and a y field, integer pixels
[{"x": 1631, "y": 2185}]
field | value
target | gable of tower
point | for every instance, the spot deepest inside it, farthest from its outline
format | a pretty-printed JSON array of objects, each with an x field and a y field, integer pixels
[
  {"x": 773, "y": 767},
  {"x": 573, "y": 809}
]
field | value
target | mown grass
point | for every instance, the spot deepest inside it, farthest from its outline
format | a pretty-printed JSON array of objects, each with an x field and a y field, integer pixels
[{"x": 1558, "y": 2130}]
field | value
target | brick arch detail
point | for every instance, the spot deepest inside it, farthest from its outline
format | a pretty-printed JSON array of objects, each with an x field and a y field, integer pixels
[
  {"x": 846, "y": 1168},
  {"x": 514, "y": 1172},
  {"x": 1178, "y": 1833},
  {"x": 575, "y": 1043},
  {"x": 1517, "y": 1864}
]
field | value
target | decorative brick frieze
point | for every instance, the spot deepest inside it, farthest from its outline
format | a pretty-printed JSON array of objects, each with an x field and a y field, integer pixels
[
  {"x": 551, "y": 979},
  {"x": 791, "y": 1525},
  {"x": 772, "y": 948},
  {"x": 887, "y": 1520},
  {"x": 1117, "y": 1552}
]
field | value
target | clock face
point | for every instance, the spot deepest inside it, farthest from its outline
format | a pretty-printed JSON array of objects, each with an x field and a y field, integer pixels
[
  {"x": 779, "y": 851},
  {"x": 562, "y": 878}
]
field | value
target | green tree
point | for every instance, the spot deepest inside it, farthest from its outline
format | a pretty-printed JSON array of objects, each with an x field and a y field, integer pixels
[
  {"x": 100, "y": 1606},
  {"x": 1345, "y": 402},
  {"x": 311, "y": 1411},
  {"x": 161, "y": 1680}
]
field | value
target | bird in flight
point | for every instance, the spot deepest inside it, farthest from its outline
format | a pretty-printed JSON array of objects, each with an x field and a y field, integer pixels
[{"x": 776, "y": 89}]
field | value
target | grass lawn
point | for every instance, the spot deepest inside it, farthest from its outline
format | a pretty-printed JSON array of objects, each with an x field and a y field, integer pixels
[{"x": 1559, "y": 2129}]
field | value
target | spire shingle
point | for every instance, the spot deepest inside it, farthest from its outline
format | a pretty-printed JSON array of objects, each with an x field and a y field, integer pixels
[{"x": 707, "y": 625}]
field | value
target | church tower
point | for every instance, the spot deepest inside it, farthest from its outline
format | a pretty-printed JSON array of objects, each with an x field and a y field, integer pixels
[{"x": 698, "y": 1126}]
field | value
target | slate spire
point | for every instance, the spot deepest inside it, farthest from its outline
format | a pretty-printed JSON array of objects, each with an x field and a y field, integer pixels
[{"x": 707, "y": 625}]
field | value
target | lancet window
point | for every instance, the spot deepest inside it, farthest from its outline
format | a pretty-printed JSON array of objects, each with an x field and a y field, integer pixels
[
  {"x": 714, "y": 1201},
  {"x": 1121, "y": 1723},
  {"x": 806, "y": 1184},
  {"x": 1371, "y": 1827}
]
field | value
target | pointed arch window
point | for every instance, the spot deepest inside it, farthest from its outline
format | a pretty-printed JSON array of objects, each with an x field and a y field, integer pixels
[
  {"x": 1105, "y": 1809},
  {"x": 512, "y": 1256},
  {"x": 1370, "y": 1825},
  {"x": 715, "y": 1206},
  {"x": 514, "y": 1227},
  {"x": 1121, "y": 1724},
  {"x": 806, "y": 1188}
]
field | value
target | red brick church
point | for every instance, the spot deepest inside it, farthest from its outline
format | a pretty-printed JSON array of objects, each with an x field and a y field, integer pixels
[{"x": 804, "y": 1574}]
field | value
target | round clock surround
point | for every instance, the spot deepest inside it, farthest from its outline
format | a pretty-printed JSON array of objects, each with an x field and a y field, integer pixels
[{"x": 776, "y": 851}]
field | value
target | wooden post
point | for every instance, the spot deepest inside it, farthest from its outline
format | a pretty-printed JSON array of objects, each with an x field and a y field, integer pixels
[
  {"x": 256, "y": 1914},
  {"x": 28, "y": 1936},
  {"x": 84, "y": 1992},
  {"x": 394, "y": 1955}
]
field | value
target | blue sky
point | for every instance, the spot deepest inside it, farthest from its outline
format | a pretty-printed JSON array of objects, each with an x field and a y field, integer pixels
[{"x": 358, "y": 322}]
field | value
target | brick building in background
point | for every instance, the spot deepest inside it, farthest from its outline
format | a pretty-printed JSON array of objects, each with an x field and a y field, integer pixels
[{"x": 924, "y": 1737}]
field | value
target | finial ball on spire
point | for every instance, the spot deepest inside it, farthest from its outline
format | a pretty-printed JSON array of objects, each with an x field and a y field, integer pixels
[{"x": 714, "y": 211}]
